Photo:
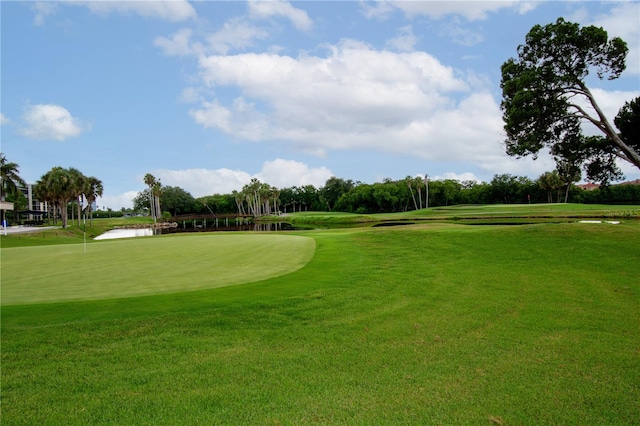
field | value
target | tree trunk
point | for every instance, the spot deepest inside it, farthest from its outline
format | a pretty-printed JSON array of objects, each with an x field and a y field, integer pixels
[{"x": 630, "y": 154}]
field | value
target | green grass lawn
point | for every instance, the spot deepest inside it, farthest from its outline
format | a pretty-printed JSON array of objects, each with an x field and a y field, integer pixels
[
  {"x": 428, "y": 324},
  {"x": 143, "y": 266}
]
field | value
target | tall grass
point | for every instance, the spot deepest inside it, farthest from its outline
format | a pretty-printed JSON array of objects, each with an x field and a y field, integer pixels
[{"x": 414, "y": 325}]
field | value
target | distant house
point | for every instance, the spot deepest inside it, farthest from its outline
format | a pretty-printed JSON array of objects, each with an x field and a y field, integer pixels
[
  {"x": 591, "y": 186},
  {"x": 588, "y": 186}
]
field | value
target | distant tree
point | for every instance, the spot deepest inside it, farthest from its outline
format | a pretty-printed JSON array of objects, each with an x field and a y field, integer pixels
[
  {"x": 58, "y": 187},
  {"x": 142, "y": 201},
  {"x": 551, "y": 183},
  {"x": 10, "y": 180},
  {"x": 544, "y": 91},
  {"x": 569, "y": 173},
  {"x": 155, "y": 189},
  {"x": 332, "y": 190},
  {"x": 177, "y": 201},
  {"x": 93, "y": 190},
  {"x": 504, "y": 188},
  {"x": 216, "y": 204},
  {"x": 78, "y": 188}
]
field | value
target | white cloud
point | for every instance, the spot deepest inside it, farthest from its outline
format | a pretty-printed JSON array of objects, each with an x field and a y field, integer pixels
[
  {"x": 355, "y": 98},
  {"x": 378, "y": 9},
  {"x": 622, "y": 21},
  {"x": 279, "y": 173},
  {"x": 287, "y": 173},
  {"x": 166, "y": 10},
  {"x": 266, "y": 9},
  {"x": 116, "y": 202},
  {"x": 235, "y": 34},
  {"x": 405, "y": 41},
  {"x": 179, "y": 44},
  {"x": 201, "y": 182},
  {"x": 42, "y": 9},
  {"x": 460, "y": 177},
  {"x": 3, "y": 119},
  {"x": 460, "y": 33},
  {"x": 525, "y": 7},
  {"x": 470, "y": 10},
  {"x": 49, "y": 121}
]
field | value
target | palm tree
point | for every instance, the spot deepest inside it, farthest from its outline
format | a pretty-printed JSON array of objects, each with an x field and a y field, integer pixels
[
  {"x": 155, "y": 189},
  {"x": 42, "y": 193},
  {"x": 93, "y": 190},
  {"x": 157, "y": 192},
  {"x": 78, "y": 186},
  {"x": 58, "y": 187},
  {"x": 9, "y": 179},
  {"x": 150, "y": 180}
]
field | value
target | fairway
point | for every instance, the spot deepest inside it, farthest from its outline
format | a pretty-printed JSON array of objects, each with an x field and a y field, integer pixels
[
  {"x": 145, "y": 266},
  {"x": 408, "y": 325}
]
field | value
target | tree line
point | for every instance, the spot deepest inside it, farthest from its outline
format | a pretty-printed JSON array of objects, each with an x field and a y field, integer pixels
[{"x": 411, "y": 193}]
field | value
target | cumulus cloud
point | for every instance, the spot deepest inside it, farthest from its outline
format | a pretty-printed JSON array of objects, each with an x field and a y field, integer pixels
[
  {"x": 166, "y": 10},
  {"x": 116, "y": 202},
  {"x": 622, "y": 21},
  {"x": 235, "y": 34},
  {"x": 52, "y": 122},
  {"x": 460, "y": 33},
  {"x": 42, "y": 9},
  {"x": 3, "y": 119},
  {"x": 287, "y": 173},
  {"x": 279, "y": 173},
  {"x": 405, "y": 41},
  {"x": 354, "y": 98},
  {"x": 179, "y": 44},
  {"x": 460, "y": 177},
  {"x": 266, "y": 9},
  {"x": 470, "y": 10}
]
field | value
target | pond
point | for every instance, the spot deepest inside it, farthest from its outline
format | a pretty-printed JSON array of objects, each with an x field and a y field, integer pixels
[{"x": 145, "y": 232}]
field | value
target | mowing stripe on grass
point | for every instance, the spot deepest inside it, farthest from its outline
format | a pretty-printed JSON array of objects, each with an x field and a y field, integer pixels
[{"x": 147, "y": 266}]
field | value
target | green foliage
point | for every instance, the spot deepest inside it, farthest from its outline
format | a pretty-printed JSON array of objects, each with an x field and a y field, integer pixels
[
  {"x": 540, "y": 89},
  {"x": 628, "y": 122},
  {"x": 614, "y": 194},
  {"x": 9, "y": 177},
  {"x": 333, "y": 189},
  {"x": 217, "y": 204},
  {"x": 177, "y": 201}
]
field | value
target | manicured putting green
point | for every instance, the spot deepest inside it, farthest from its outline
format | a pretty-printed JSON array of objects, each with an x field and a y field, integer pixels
[{"x": 145, "y": 266}]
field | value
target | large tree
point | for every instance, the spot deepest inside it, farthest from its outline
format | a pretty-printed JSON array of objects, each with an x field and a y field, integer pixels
[
  {"x": 546, "y": 99},
  {"x": 57, "y": 187}
]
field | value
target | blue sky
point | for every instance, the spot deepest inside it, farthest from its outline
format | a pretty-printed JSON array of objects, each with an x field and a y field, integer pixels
[{"x": 206, "y": 95}]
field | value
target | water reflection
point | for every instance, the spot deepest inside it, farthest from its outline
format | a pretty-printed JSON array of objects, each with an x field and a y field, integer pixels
[
  {"x": 194, "y": 227},
  {"x": 255, "y": 227}
]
